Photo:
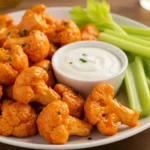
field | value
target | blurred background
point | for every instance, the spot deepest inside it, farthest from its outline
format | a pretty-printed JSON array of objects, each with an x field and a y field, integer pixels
[{"x": 128, "y": 8}]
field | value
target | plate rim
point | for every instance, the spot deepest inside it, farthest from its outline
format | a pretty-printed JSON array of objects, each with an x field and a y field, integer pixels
[{"x": 78, "y": 145}]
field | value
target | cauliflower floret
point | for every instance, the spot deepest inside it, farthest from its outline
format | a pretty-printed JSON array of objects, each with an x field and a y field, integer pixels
[
  {"x": 30, "y": 85},
  {"x": 12, "y": 62},
  {"x": 46, "y": 65},
  {"x": 5, "y": 21},
  {"x": 68, "y": 32},
  {"x": 33, "y": 19},
  {"x": 74, "y": 100},
  {"x": 89, "y": 32},
  {"x": 17, "y": 119},
  {"x": 36, "y": 45},
  {"x": 8, "y": 32},
  {"x": 55, "y": 124},
  {"x": 52, "y": 50},
  {"x": 102, "y": 110}
]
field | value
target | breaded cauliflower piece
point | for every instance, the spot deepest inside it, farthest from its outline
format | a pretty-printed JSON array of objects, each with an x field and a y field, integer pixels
[
  {"x": 55, "y": 124},
  {"x": 36, "y": 45},
  {"x": 102, "y": 110},
  {"x": 52, "y": 50},
  {"x": 89, "y": 32},
  {"x": 47, "y": 66},
  {"x": 12, "y": 62},
  {"x": 73, "y": 99},
  {"x": 30, "y": 85},
  {"x": 68, "y": 32},
  {"x": 8, "y": 32},
  {"x": 33, "y": 19},
  {"x": 17, "y": 119},
  {"x": 5, "y": 21}
]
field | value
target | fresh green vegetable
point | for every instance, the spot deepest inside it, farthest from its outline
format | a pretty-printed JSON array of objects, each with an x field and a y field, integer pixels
[
  {"x": 136, "y": 30},
  {"x": 97, "y": 13},
  {"x": 137, "y": 87},
  {"x": 141, "y": 37},
  {"x": 128, "y": 37},
  {"x": 126, "y": 45}
]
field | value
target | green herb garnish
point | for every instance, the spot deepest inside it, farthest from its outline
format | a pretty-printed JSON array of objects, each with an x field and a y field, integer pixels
[
  {"x": 70, "y": 63},
  {"x": 82, "y": 60},
  {"x": 24, "y": 32},
  {"x": 8, "y": 33},
  {"x": 65, "y": 23},
  {"x": 33, "y": 31},
  {"x": 84, "y": 54},
  {"x": 89, "y": 138},
  {"x": 47, "y": 68},
  {"x": 9, "y": 59}
]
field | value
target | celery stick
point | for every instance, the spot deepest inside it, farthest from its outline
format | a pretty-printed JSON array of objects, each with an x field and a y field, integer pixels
[
  {"x": 148, "y": 81},
  {"x": 136, "y": 30},
  {"x": 141, "y": 37},
  {"x": 137, "y": 87},
  {"x": 128, "y": 37},
  {"x": 126, "y": 45}
]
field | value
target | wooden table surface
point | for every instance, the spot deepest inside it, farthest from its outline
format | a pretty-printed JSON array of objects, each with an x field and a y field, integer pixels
[{"x": 128, "y": 8}]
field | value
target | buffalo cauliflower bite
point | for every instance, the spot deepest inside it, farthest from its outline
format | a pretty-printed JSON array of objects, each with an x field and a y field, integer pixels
[
  {"x": 8, "y": 32},
  {"x": 55, "y": 124},
  {"x": 46, "y": 64},
  {"x": 52, "y": 50},
  {"x": 74, "y": 100},
  {"x": 5, "y": 21},
  {"x": 102, "y": 110},
  {"x": 12, "y": 62},
  {"x": 89, "y": 32},
  {"x": 30, "y": 85},
  {"x": 33, "y": 19},
  {"x": 68, "y": 32},
  {"x": 36, "y": 45},
  {"x": 17, "y": 119}
]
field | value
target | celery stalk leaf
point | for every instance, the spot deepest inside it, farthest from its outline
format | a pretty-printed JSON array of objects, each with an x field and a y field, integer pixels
[{"x": 97, "y": 13}]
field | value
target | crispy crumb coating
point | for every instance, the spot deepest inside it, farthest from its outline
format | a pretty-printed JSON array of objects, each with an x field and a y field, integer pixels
[
  {"x": 55, "y": 124},
  {"x": 73, "y": 99},
  {"x": 89, "y": 32},
  {"x": 35, "y": 45},
  {"x": 102, "y": 110},
  {"x": 30, "y": 85},
  {"x": 17, "y": 119},
  {"x": 12, "y": 62},
  {"x": 47, "y": 66}
]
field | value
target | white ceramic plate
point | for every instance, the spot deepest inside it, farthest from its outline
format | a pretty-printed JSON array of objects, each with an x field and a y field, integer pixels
[{"x": 74, "y": 142}]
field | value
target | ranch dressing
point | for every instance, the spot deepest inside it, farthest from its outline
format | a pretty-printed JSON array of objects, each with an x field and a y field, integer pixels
[{"x": 88, "y": 64}]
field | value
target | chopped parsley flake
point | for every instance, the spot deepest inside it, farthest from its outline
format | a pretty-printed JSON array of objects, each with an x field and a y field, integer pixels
[
  {"x": 70, "y": 63},
  {"x": 65, "y": 23},
  {"x": 82, "y": 60},
  {"x": 41, "y": 34},
  {"x": 47, "y": 68},
  {"x": 9, "y": 59},
  {"x": 23, "y": 45},
  {"x": 58, "y": 112},
  {"x": 33, "y": 31},
  {"x": 89, "y": 138},
  {"x": 8, "y": 33},
  {"x": 24, "y": 32},
  {"x": 84, "y": 54}
]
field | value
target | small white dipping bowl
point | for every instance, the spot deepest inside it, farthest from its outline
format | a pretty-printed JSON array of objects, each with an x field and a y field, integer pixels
[{"x": 85, "y": 87}]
